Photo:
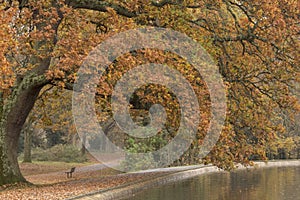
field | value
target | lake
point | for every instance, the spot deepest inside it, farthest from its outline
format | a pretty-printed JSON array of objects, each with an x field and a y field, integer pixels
[{"x": 276, "y": 183}]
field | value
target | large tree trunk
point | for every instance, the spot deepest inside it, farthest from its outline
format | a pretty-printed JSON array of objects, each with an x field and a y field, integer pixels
[
  {"x": 13, "y": 116},
  {"x": 15, "y": 109},
  {"x": 9, "y": 168}
]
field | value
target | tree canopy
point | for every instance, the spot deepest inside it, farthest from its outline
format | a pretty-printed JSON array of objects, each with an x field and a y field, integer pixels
[{"x": 254, "y": 43}]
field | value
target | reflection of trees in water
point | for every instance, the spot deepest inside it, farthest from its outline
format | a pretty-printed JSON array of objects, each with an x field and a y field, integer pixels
[
  {"x": 270, "y": 183},
  {"x": 266, "y": 184}
]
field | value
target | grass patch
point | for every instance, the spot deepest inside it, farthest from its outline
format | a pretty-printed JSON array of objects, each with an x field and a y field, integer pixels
[
  {"x": 44, "y": 167},
  {"x": 58, "y": 153}
]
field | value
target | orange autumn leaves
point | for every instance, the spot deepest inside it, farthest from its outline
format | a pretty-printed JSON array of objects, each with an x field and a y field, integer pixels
[
  {"x": 7, "y": 43},
  {"x": 254, "y": 43}
]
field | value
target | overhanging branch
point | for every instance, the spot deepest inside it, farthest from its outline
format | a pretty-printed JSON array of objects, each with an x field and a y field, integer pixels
[
  {"x": 70, "y": 86},
  {"x": 101, "y": 6},
  {"x": 163, "y": 3}
]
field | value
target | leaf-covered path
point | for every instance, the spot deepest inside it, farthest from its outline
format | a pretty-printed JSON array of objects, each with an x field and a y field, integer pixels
[{"x": 56, "y": 185}]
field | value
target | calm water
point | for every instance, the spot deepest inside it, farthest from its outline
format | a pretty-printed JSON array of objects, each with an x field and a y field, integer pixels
[{"x": 263, "y": 184}]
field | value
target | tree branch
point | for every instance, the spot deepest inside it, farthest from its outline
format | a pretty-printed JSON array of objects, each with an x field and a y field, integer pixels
[
  {"x": 101, "y": 6},
  {"x": 172, "y": 2},
  {"x": 162, "y": 3},
  {"x": 70, "y": 86}
]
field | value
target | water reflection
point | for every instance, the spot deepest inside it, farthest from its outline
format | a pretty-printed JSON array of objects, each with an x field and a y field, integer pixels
[{"x": 263, "y": 184}]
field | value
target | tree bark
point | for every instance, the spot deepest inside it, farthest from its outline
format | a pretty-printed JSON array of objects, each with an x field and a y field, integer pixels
[{"x": 13, "y": 117}]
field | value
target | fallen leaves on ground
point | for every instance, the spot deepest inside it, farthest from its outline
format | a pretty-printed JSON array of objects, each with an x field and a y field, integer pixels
[{"x": 55, "y": 186}]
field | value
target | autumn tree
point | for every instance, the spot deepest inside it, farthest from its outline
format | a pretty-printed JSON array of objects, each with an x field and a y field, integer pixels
[
  {"x": 51, "y": 113},
  {"x": 254, "y": 43}
]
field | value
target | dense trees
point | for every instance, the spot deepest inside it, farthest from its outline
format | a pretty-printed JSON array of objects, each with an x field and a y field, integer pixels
[{"x": 255, "y": 44}]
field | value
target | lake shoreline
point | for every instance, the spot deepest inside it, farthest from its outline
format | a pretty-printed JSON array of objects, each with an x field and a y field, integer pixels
[{"x": 178, "y": 174}]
